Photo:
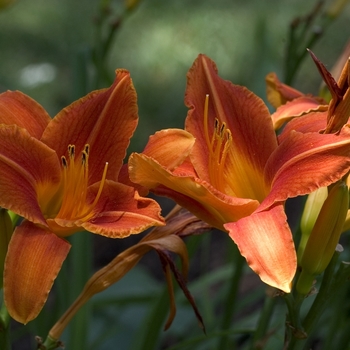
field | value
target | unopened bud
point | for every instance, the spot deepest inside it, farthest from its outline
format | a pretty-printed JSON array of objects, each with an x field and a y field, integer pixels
[
  {"x": 325, "y": 235},
  {"x": 5, "y": 3},
  {"x": 336, "y": 8},
  {"x": 311, "y": 211},
  {"x": 131, "y": 4}
]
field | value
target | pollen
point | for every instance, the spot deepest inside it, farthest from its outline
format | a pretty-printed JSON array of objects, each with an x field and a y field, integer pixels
[
  {"x": 75, "y": 177},
  {"x": 218, "y": 147}
]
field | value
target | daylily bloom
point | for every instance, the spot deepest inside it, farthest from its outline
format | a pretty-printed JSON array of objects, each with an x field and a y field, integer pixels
[
  {"x": 61, "y": 176},
  {"x": 290, "y": 103},
  {"x": 315, "y": 109},
  {"x": 323, "y": 118},
  {"x": 236, "y": 175}
]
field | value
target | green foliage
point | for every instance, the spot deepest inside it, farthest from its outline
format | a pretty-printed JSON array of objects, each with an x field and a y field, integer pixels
[{"x": 57, "y": 51}]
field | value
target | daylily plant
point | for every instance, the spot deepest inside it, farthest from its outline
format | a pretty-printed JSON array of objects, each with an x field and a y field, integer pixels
[
  {"x": 61, "y": 176},
  {"x": 229, "y": 168}
]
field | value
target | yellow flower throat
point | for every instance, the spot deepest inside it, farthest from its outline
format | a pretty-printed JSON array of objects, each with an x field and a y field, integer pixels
[
  {"x": 68, "y": 201},
  {"x": 218, "y": 147}
]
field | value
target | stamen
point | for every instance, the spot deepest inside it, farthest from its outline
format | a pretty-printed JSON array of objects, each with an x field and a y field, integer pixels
[
  {"x": 64, "y": 162},
  {"x": 101, "y": 185},
  {"x": 75, "y": 180},
  {"x": 218, "y": 146},
  {"x": 206, "y": 131}
]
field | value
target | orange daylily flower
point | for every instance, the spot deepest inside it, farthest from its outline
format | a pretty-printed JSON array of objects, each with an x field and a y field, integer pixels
[
  {"x": 279, "y": 93},
  {"x": 61, "y": 176},
  {"x": 230, "y": 170},
  {"x": 312, "y": 110},
  {"x": 324, "y": 118},
  {"x": 290, "y": 103}
]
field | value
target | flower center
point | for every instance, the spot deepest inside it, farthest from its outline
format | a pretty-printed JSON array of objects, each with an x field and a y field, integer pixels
[
  {"x": 218, "y": 147},
  {"x": 75, "y": 184}
]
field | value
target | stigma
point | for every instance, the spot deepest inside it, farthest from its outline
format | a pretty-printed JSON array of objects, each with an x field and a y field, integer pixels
[
  {"x": 75, "y": 178},
  {"x": 218, "y": 147}
]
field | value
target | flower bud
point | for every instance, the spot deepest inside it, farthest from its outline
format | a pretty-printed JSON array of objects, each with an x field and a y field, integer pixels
[
  {"x": 6, "y": 229},
  {"x": 5, "y": 3},
  {"x": 325, "y": 235},
  {"x": 131, "y": 4},
  {"x": 336, "y": 8},
  {"x": 311, "y": 211}
]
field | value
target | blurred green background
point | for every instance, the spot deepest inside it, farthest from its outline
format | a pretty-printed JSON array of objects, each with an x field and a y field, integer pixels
[
  {"x": 44, "y": 44},
  {"x": 46, "y": 50}
]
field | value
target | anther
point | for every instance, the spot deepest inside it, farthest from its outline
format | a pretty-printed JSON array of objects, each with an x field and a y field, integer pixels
[
  {"x": 71, "y": 151},
  {"x": 64, "y": 162}
]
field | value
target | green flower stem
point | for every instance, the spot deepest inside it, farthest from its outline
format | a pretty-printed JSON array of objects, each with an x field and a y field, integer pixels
[
  {"x": 302, "y": 35},
  {"x": 231, "y": 298},
  {"x": 81, "y": 260},
  {"x": 326, "y": 291},
  {"x": 323, "y": 295},
  {"x": 50, "y": 344},
  {"x": 264, "y": 320},
  {"x": 294, "y": 331},
  {"x": 5, "y": 343}
]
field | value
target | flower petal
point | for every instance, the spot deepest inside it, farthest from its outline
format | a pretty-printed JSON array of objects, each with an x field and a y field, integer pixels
[
  {"x": 25, "y": 163},
  {"x": 312, "y": 122},
  {"x": 306, "y": 162},
  {"x": 278, "y": 93},
  {"x": 122, "y": 212},
  {"x": 296, "y": 108},
  {"x": 265, "y": 240},
  {"x": 123, "y": 178},
  {"x": 170, "y": 147},
  {"x": 192, "y": 193},
  {"x": 33, "y": 261},
  {"x": 19, "y": 109},
  {"x": 244, "y": 114},
  {"x": 104, "y": 119}
]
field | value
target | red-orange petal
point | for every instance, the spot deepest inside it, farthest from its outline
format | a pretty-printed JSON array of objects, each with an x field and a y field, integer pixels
[
  {"x": 305, "y": 162},
  {"x": 33, "y": 261},
  {"x": 104, "y": 119},
  {"x": 192, "y": 193},
  {"x": 25, "y": 162},
  {"x": 266, "y": 242},
  {"x": 169, "y": 147},
  {"x": 312, "y": 122},
  {"x": 19, "y": 109},
  {"x": 296, "y": 108},
  {"x": 277, "y": 92},
  {"x": 121, "y": 212}
]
